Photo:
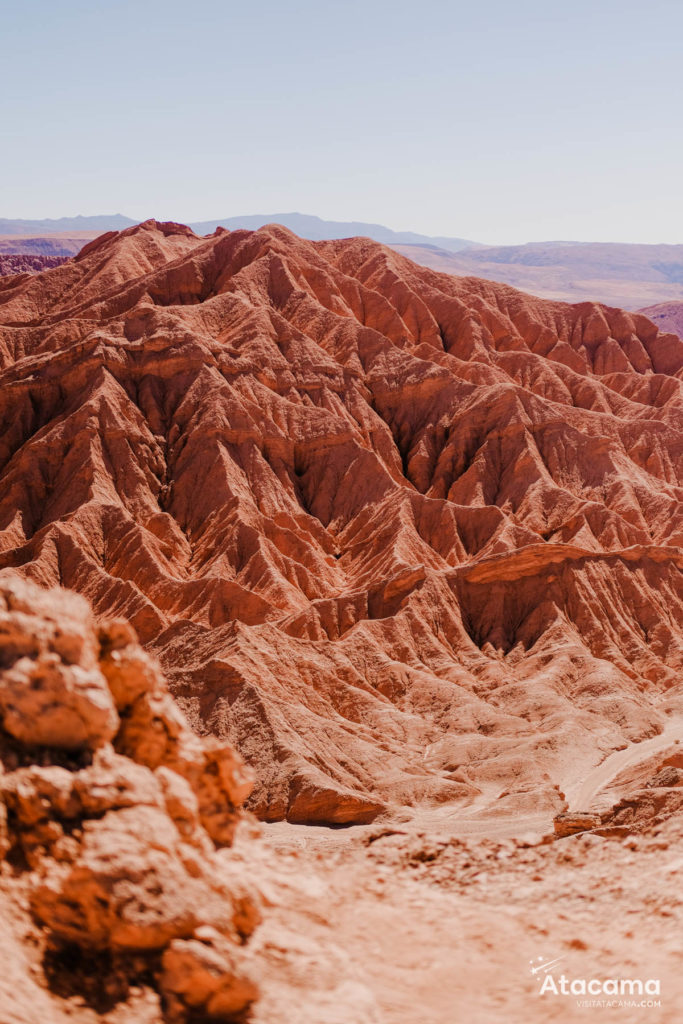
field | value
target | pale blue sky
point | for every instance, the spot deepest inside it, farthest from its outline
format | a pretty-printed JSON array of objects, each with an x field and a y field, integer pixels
[{"x": 498, "y": 121}]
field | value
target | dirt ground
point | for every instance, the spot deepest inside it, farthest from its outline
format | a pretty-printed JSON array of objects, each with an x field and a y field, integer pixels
[
  {"x": 438, "y": 930},
  {"x": 438, "y": 918}
]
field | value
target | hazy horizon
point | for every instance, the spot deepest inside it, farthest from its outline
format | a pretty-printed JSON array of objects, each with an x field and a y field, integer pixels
[
  {"x": 504, "y": 124},
  {"x": 272, "y": 217}
]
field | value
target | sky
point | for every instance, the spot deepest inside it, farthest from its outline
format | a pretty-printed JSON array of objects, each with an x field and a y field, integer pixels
[{"x": 503, "y": 121}]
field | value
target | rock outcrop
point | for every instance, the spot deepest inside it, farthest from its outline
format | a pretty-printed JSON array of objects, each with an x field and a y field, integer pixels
[
  {"x": 399, "y": 537},
  {"x": 22, "y": 263},
  {"x": 113, "y": 811},
  {"x": 644, "y": 810},
  {"x": 569, "y": 823},
  {"x": 666, "y": 776}
]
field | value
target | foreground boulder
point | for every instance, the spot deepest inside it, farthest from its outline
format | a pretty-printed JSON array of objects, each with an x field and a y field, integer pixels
[
  {"x": 571, "y": 822},
  {"x": 645, "y": 809},
  {"x": 113, "y": 810},
  {"x": 53, "y": 693}
]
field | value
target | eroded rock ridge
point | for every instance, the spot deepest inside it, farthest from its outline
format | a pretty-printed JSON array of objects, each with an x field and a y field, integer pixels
[{"x": 398, "y": 536}]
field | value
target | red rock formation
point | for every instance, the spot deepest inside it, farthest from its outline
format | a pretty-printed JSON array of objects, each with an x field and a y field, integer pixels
[
  {"x": 401, "y": 537},
  {"x": 16, "y": 263},
  {"x": 113, "y": 809}
]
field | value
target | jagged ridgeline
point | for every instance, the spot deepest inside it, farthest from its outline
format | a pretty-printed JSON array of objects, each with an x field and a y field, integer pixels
[{"x": 399, "y": 536}]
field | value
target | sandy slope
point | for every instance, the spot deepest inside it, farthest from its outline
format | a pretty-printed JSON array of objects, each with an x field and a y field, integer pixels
[{"x": 584, "y": 792}]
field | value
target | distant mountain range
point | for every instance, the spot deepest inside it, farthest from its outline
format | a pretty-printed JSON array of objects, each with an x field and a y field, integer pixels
[
  {"x": 316, "y": 229},
  {"x": 50, "y": 226},
  {"x": 302, "y": 224},
  {"x": 618, "y": 274}
]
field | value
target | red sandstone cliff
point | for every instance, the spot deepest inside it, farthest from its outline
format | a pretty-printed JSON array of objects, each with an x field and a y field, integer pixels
[{"x": 400, "y": 536}]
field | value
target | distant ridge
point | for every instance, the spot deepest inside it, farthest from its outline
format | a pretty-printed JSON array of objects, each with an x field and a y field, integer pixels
[
  {"x": 627, "y": 275},
  {"x": 49, "y": 225},
  {"x": 307, "y": 226},
  {"x": 317, "y": 230}
]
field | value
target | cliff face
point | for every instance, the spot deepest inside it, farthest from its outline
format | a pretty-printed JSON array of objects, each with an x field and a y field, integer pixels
[{"x": 399, "y": 536}]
